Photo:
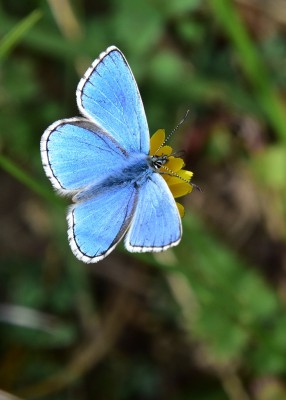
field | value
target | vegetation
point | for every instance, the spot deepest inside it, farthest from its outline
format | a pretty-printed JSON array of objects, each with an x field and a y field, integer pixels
[{"x": 205, "y": 320}]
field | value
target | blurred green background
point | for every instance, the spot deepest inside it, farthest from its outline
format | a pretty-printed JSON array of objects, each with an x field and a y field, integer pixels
[{"x": 203, "y": 321}]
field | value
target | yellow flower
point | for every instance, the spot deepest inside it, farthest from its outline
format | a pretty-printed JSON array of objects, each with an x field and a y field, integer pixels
[{"x": 179, "y": 187}]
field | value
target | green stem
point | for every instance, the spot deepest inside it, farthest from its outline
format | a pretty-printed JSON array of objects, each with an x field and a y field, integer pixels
[
  {"x": 253, "y": 65},
  {"x": 11, "y": 39},
  {"x": 24, "y": 178}
]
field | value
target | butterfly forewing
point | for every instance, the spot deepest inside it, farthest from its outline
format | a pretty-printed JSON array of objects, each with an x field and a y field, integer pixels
[
  {"x": 108, "y": 94},
  {"x": 76, "y": 153}
]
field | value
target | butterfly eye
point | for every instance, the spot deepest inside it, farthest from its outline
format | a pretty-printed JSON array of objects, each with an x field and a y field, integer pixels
[{"x": 158, "y": 161}]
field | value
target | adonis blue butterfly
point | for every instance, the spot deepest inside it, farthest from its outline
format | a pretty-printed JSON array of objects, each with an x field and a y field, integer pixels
[{"x": 121, "y": 185}]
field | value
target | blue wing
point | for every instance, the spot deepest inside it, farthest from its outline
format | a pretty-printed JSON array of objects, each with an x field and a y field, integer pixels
[
  {"x": 109, "y": 96},
  {"x": 156, "y": 224},
  {"x": 98, "y": 224},
  {"x": 75, "y": 153}
]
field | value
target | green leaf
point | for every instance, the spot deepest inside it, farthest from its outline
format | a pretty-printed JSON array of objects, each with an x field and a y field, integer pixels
[
  {"x": 269, "y": 166},
  {"x": 12, "y": 38}
]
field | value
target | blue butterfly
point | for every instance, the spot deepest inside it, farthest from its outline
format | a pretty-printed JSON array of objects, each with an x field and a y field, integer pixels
[{"x": 102, "y": 161}]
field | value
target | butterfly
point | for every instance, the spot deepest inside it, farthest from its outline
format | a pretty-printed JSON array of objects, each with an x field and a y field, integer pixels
[{"x": 102, "y": 161}]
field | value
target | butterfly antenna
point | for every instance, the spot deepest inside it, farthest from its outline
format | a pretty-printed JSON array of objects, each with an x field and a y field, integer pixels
[
  {"x": 174, "y": 130},
  {"x": 172, "y": 173},
  {"x": 197, "y": 187}
]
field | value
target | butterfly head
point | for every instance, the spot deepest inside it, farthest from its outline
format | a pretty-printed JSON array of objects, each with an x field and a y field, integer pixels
[{"x": 158, "y": 162}]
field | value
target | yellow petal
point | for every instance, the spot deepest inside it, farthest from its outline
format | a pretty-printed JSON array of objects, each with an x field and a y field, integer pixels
[
  {"x": 173, "y": 180},
  {"x": 184, "y": 174},
  {"x": 175, "y": 164},
  {"x": 180, "y": 189},
  {"x": 156, "y": 140},
  {"x": 169, "y": 177},
  {"x": 164, "y": 151},
  {"x": 181, "y": 209}
]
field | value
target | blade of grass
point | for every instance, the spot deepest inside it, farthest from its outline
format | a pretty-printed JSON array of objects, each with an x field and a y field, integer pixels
[
  {"x": 252, "y": 64},
  {"x": 11, "y": 39},
  {"x": 25, "y": 179}
]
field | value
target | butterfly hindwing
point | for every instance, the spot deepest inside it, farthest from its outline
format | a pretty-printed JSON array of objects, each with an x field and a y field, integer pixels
[
  {"x": 76, "y": 153},
  {"x": 96, "y": 225},
  {"x": 109, "y": 96},
  {"x": 156, "y": 224}
]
